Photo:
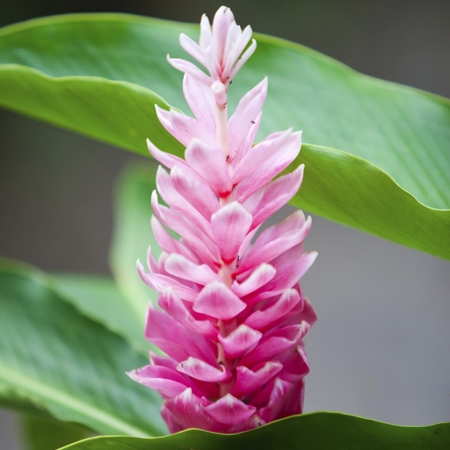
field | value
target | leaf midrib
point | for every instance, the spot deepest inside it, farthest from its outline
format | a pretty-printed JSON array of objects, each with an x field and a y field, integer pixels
[{"x": 17, "y": 380}]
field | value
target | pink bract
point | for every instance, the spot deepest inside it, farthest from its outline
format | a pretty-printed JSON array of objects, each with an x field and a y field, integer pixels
[{"x": 232, "y": 314}]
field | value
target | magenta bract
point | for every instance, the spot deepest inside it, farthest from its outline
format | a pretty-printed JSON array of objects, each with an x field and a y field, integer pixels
[{"x": 232, "y": 315}]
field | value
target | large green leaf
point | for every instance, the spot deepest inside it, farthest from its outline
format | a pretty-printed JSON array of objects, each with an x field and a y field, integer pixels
[
  {"x": 93, "y": 74},
  {"x": 100, "y": 299},
  {"x": 367, "y": 206},
  {"x": 133, "y": 234},
  {"x": 72, "y": 366},
  {"x": 41, "y": 434},
  {"x": 316, "y": 431}
]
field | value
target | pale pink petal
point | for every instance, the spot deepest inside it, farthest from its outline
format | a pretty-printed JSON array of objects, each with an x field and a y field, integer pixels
[
  {"x": 230, "y": 410},
  {"x": 200, "y": 196},
  {"x": 276, "y": 240},
  {"x": 166, "y": 381},
  {"x": 221, "y": 23},
  {"x": 198, "y": 241},
  {"x": 246, "y": 243},
  {"x": 290, "y": 267},
  {"x": 192, "y": 48},
  {"x": 210, "y": 163},
  {"x": 271, "y": 148},
  {"x": 177, "y": 202},
  {"x": 164, "y": 361},
  {"x": 278, "y": 342},
  {"x": 160, "y": 282},
  {"x": 205, "y": 32},
  {"x": 212, "y": 64},
  {"x": 294, "y": 403},
  {"x": 277, "y": 194},
  {"x": 189, "y": 412},
  {"x": 241, "y": 340},
  {"x": 243, "y": 39},
  {"x": 271, "y": 167},
  {"x": 168, "y": 243},
  {"x": 249, "y": 381},
  {"x": 306, "y": 314},
  {"x": 201, "y": 101},
  {"x": 261, "y": 397},
  {"x": 278, "y": 398},
  {"x": 229, "y": 225},
  {"x": 295, "y": 364},
  {"x": 172, "y": 423},
  {"x": 170, "y": 161},
  {"x": 291, "y": 224},
  {"x": 231, "y": 49},
  {"x": 260, "y": 319},
  {"x": 243, "y": 59},
  {"x": 245, "y": 116},
  {"x": 217, "y": 301},
  {"x": 170, "y": 302},
  {"x": 258, "y": 278},
  {"x": 189, "y": 68},
  {"x": 254, "y": 422},
  {"x": 182, "y": 127},
  {"x": 181, "y": 267},
  {"x": 198, "y": 369},
  {"x": 174, "y": 339},
  {"x": 241, "y": 150}
]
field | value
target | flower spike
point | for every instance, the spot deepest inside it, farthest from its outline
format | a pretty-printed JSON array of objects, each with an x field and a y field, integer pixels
[{"x": 231, "y": 314}]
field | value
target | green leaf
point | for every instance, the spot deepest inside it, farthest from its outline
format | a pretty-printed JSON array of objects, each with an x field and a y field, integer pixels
[
  {"x": 400, "y": 218},
  {"x": 40, "y": 434},
  {"x": 11, "y": 399},
  {"x": 100, "y": 299},
  {"x": 316, "y": 431},
  {"x": 96, "y": 74},
  {"x": 133, "y": 234},
  {"x": 72, "y": 366}
]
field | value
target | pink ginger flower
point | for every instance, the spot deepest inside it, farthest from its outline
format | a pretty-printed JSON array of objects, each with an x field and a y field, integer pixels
[{"x": 232, "y": 315}]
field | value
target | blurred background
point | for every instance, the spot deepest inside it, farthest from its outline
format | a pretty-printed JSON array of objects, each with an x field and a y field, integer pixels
[{"x": 381, "y": 346}]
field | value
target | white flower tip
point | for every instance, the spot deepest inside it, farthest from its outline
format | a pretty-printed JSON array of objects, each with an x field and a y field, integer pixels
[
  {"x": 169, "y": 60},
  {"x": 218, "y": 87},
  {"x": 220, "y": 93}
]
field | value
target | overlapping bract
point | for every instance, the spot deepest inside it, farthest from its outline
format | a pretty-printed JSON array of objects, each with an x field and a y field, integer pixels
[{"x": 232, "y": 314}]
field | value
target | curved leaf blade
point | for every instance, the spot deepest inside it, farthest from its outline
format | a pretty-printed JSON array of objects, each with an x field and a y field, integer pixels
[
  {"x": 403, "y": 131},
  {"x": 68, "y": 364},
  {"x": 378, "y": 206},
  {"x": 316, "y": 431},
  {"x": 116, "y": 112}
]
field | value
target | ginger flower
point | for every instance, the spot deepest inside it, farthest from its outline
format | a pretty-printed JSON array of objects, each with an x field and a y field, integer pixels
[{"x": 232, "y": 314}]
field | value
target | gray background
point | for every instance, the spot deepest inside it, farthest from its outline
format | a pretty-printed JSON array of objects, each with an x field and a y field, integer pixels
[{"x": 381, "y": 346}]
